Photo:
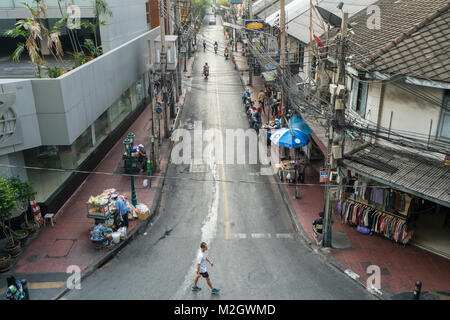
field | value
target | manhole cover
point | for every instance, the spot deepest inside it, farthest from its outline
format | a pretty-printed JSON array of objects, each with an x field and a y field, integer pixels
[{"x": 60, "y": 248}]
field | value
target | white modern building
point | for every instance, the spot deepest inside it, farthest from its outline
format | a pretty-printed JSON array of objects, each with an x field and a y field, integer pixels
[
  {"x": 68, "y": 123},
  {"x": 128, "y": 18}
]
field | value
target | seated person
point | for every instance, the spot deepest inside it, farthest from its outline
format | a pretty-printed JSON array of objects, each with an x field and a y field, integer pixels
[
  {"x": 99, "y": 236},
  {"x": 139, "y": 153},
  {"x": 318, "y": 228},
  {"x": 15, "y": 289}
]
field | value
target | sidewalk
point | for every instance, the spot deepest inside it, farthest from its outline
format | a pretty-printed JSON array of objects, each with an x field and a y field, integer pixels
[
  {"x": 401, "y": 266},
  {"x": 68, "y": 242}
]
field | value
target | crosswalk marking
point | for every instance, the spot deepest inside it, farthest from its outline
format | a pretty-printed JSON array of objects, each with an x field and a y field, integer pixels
[{"x": 262, "y": 236}]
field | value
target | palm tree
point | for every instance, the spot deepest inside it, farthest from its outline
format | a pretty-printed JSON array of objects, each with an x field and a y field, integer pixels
[
  {"x": 33, "y": 31},
  {"x": 101, "y": 8}
]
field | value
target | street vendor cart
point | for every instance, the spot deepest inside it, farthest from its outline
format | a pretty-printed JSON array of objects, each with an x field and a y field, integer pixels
[{"x": 103, "y": 208}]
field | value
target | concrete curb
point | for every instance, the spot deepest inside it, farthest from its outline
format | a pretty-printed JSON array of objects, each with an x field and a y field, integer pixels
[
  {"x": 141, "y": 227},
  {"x": 330, "y": 261},
  {"x": 131, "y": 236}
]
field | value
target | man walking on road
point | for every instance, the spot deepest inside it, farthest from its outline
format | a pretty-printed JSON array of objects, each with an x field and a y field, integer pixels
[{"x": 201, "y": 268}]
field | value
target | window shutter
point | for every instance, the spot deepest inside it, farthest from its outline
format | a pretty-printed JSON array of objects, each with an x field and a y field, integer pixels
[
  {"x": 355, "y": 94},
  {"x": 364, "y": 94},
  {"x": 444, "y": 121}
]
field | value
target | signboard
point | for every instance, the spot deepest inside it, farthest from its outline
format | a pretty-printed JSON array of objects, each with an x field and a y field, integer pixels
[
  {"x": 236, "y": 1},
  {"x": 158, "y": 110},
  {"x": 324, "y": 175},
  {"x": 183, "y": 49},
  {"x": 254, "y": 25}
]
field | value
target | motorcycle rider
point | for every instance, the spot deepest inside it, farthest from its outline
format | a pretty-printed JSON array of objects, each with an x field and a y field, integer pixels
[
  {"x": 206, "y": 69},
  {"x": 226, "y": 53},
  {"x": 246, "y": 96}
]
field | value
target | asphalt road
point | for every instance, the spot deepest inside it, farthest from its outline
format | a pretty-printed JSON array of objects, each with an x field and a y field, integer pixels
[{"x": 252, "y": 243}]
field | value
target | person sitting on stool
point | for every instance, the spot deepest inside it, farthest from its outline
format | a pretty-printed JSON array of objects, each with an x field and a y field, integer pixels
[
  {"x": 139, "y": 153},
  {"x": 99, "y": 236},
  {"x": 317, "y": 227}
]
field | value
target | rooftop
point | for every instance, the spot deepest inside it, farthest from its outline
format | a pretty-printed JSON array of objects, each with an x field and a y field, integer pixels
[
  {"x": 412, "y": 40},
  {"x": 403, "y": 171}
]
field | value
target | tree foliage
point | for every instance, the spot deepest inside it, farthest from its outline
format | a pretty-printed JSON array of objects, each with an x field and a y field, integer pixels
[
  {"x": 8, "y": 202},
  {"x": 224, "y": 3}
]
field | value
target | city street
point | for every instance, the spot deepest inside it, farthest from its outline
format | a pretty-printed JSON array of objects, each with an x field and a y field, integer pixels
[{"x": 239, "y": 213}]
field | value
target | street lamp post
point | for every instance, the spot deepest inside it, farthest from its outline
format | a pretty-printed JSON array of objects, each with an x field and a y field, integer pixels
[{"x": 128, "y": 142}]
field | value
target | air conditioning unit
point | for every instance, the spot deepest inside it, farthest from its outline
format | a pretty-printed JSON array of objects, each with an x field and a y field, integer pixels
[
  {"x": 332, "y": 88},
  {"x": 337, "y": 152},
  {"x": 340, "y": 90},
  {"x": 339, "y": 104},
  {"x": 171, "y": 46}
]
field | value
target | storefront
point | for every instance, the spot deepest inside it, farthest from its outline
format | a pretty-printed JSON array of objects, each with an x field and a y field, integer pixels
[
  {"x": 400, "y": 196},
  {"x": 67, "y": 158}
]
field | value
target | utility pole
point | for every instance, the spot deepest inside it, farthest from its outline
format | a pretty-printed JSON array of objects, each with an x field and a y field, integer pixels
[
  {"x": 337, "y": 132},
  {"x": 283, "y": 57},
  {"x": 250, "y": 45},
  {"x": 154, "y": 153},
  {"x": 179, "y": 33},
  {"x": 162, "y": 10}
]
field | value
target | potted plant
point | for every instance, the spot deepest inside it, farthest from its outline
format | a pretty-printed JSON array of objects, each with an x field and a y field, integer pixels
[
  {"x": 5, "y": 262},
  {"x": 20, "y": 235},
  {"x": 8, "y": 203},
  {"x": 24, "y": 191}
]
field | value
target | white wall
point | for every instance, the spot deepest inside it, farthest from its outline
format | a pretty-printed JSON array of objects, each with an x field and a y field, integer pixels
[
  {"x": 411, "y": 113},
  {"x": 128, "y": 21},
  {"x": 70, "y": 104},
  {"x": 27, "y": 131}
]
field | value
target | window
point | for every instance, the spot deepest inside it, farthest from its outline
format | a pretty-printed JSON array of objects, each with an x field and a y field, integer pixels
[
  {"x": 147, "y": 10},
  {"x": 444, "y": 120},
  {"x": 301, "y": 55},
  {"x": 359, "y": 97}
]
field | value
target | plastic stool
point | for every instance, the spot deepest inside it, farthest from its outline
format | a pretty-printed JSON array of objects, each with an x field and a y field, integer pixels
[{"x": 51, "y": 217}]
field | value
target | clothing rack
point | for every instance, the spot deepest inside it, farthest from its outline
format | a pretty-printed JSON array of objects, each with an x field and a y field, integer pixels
[{"x": 386, "y": 212}]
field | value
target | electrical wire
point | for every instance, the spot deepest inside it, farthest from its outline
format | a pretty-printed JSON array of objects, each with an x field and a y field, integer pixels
[{"x": 240, "y": 181}]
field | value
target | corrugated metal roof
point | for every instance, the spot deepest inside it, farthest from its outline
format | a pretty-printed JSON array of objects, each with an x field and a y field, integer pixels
[
  {"x": 298, "y": 15},
  {"x": 416, "y": 174}
]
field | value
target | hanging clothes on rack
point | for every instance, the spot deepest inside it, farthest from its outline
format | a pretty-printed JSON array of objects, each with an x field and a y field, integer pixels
[{"x": 377, "y": 221}]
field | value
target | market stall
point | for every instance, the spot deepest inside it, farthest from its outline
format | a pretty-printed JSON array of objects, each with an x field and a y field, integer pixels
[
  {"x": 291, "y": 138},
  {"x": 102, "y": 208}
]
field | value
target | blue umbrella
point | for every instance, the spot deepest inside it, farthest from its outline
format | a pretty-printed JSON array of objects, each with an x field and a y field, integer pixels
[
  {"x": 284, "y": 138},
  {"x": 299, "y": 123}
]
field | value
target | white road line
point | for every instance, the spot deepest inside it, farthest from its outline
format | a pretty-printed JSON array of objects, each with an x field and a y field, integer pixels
[
  {"x": 285, "y": 236},
  {"x": 259, "y": 235},
  {"x": 262, "y": 236},
  {"x": 238, "y": 236}
]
